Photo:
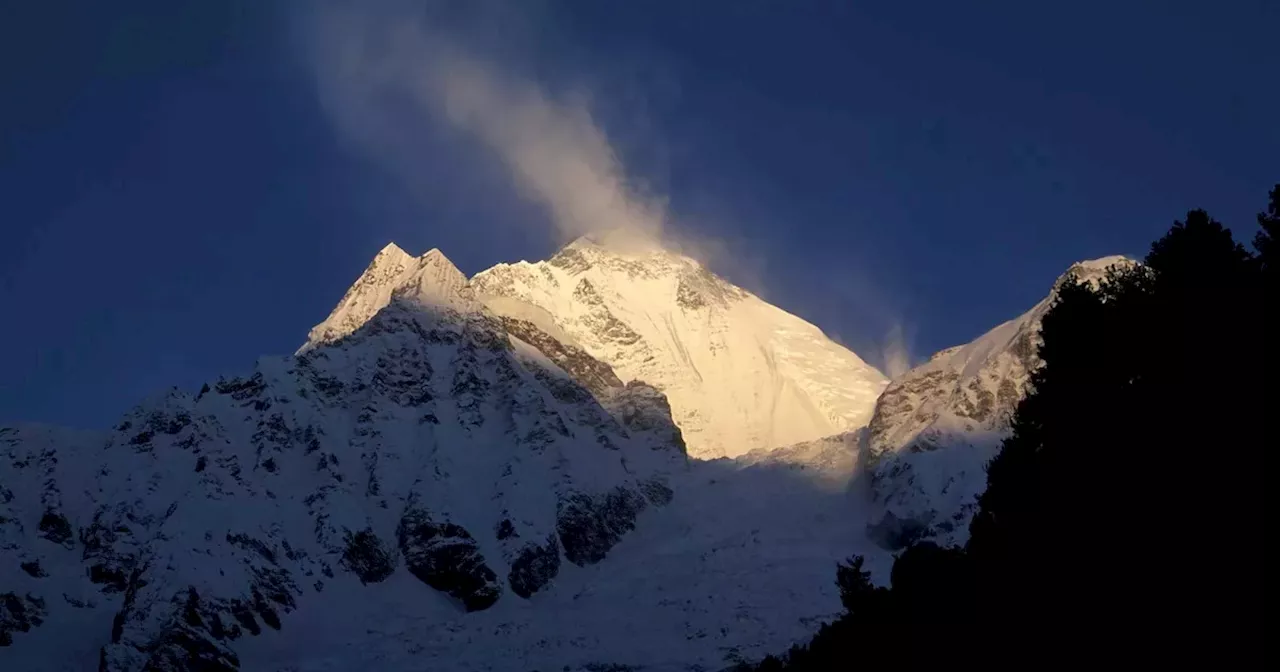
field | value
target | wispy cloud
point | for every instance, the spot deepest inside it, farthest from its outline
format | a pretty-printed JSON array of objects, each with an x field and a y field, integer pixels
[
  {"x": 895, "y": 353},
  {"x": 381, "y": 69}
]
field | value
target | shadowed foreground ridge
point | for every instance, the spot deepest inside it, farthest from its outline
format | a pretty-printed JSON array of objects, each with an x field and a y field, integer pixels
[
  {"x": 937, "y": 426},
  {"x": 1120, "y": 455}
]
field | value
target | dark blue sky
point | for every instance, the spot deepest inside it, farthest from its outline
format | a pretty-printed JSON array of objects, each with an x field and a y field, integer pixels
[{"x": 174, "y": 202}]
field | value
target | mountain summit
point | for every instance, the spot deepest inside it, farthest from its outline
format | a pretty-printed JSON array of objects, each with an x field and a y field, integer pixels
[
  {"x": 740, "y": 374},
  {"x": 937, "y": 425},
  {"x": 430, "y": 280}
]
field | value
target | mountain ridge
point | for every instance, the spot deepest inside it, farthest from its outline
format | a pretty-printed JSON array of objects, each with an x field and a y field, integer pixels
[{"x": 936, "y": 426}]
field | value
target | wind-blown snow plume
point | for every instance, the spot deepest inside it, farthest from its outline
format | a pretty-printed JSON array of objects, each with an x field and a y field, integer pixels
[
  {"x": 895, "y": 355},
  {"x": 372, "y": 63},
  {"x": 390, "y": 72}
]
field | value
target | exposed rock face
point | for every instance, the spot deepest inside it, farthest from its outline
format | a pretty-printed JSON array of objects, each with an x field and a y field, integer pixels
[
  {"x": 589, "y": 525},
  {"x": 534, "y": 567},
  {"x": 936, "y": 426},
  {"x": 446, "y": 557},
  {"x": 638, "y": 406},
  {"x": 19, "y": 614},
  {"x": 195, "y": 640},
  {"x": 367, "y": 557},
  {"x": 587, "y": 371},
  {"x": 54, "y": 527},
  {"x": 199, "y": 521}
]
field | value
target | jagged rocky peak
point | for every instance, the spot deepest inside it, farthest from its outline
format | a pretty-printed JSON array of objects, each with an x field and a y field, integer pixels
[
  {"x": 437, "y": 278},
  {"x": 390, "y": 255},
  {"x": 430, "y": 281},
  {"x": 936, "y": 426}
]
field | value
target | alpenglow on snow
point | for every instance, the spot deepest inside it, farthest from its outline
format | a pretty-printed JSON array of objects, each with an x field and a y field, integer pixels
[{"x": 740, "y": 374}]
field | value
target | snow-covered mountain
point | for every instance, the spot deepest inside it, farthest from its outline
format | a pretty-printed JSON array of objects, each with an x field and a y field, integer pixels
[
  {"x": 446, "y": 475},
  {"x": 414, "y": 434},
  {"x": 935, "y": 427},
  {"x": 740, "y": 374}
]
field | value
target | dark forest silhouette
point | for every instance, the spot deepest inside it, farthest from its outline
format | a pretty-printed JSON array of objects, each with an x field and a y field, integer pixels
[{"x": 1123, "y": 520}]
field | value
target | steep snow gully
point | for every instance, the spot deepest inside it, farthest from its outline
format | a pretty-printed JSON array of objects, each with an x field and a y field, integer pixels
[{"x": 612, "y": 457}]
